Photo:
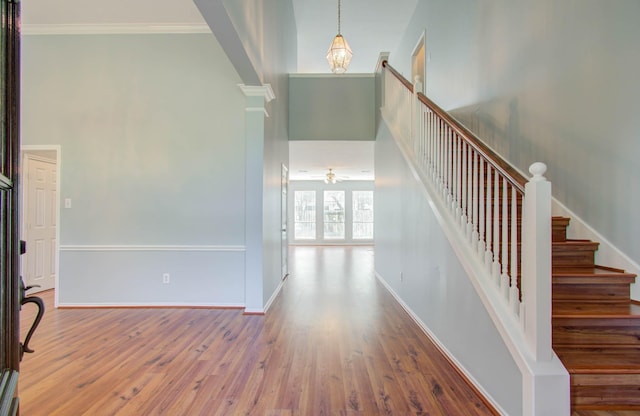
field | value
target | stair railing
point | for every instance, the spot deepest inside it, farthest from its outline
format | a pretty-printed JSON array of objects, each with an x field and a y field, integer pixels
[{"x": 499, "y": 214}]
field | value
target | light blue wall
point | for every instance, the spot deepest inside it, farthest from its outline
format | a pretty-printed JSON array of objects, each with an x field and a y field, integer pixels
[
  {"x": 332, "y": 107},
  {"x": 151, "y": 129},
  {"x": 268, "y": 35},
  {"x": 551, "y": 81},
  {"x": 414, "y": 257}
]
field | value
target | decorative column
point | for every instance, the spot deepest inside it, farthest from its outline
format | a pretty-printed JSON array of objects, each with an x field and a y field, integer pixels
[{"x": 256, "y": 98}]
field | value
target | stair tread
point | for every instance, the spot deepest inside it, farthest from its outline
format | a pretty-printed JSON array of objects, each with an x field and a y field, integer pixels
[
  {"x": 601, "y": 360},
  {"x": 571, "y": 245},
  {"x": 605, "y": 310},
  {"x": 596, "y": 271}
]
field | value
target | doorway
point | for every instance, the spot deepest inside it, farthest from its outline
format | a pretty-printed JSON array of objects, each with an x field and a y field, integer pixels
[
  {"x": 40, "y": 196},
  {"x": 419, "y": 62}
]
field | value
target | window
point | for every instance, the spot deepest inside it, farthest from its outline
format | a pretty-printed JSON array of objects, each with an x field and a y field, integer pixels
[
  {"x": 305, "y": 215},
  {"x": 362, "y": 215},
  {"x": 333, "y": 215}
]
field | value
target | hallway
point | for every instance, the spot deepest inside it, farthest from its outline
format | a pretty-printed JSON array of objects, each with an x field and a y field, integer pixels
[{"x": 333, "y": 343}]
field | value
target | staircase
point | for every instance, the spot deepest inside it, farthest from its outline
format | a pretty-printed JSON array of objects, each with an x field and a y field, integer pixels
[{"x": 596, "y": 326}]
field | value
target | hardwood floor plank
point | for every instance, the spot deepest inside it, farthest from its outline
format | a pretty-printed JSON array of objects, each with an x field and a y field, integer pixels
[{"x": 333, "y": 343}]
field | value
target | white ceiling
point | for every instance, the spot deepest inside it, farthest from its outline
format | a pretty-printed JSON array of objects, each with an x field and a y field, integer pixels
[
  {"x": 370, "y": 27},
  {"x": 350, "y": 160}
]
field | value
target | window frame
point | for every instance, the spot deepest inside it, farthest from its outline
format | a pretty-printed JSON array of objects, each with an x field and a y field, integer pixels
[{"x": 319, "y": 187}]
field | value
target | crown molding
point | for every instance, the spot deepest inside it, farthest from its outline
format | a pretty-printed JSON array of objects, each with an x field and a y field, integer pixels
[
  {"x": 258, "y": 91},
  {"x": 113, "y": 29}
]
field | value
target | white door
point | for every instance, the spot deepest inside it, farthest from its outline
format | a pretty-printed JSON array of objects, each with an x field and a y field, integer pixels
[
  {"x": 38, "y": 267},
  {"x": 284, "y": 210}
]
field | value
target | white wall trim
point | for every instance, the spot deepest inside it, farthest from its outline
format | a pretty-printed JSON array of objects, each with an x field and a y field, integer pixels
[
  {"x": 257, "y": 110},
  {"x": 121, "y": 247},
  {"x": 274, "y": 295},
  {"x": 258, "y": 91},
  {"x": 152, "y": 305},
  {"x": 440, "y": 345},
  {"x": 113, "y": 29}
]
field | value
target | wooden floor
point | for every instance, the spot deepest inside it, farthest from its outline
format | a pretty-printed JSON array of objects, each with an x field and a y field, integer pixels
[{"x": 334, "y": 343}]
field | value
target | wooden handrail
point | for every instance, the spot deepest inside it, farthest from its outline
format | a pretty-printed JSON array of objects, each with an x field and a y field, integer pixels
[
  {"x": 510, "y": 173},
  {"x": 385, "y": 64}
]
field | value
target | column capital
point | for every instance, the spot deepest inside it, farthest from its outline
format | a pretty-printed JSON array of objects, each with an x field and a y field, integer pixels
[{"x": 258, "y": 91}]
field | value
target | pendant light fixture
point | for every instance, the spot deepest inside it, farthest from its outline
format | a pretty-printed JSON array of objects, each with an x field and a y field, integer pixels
[{"x": 339, "y": 54}]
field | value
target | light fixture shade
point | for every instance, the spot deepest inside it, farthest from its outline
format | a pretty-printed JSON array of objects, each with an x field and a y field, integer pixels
[{"x": 339, "y": 55}]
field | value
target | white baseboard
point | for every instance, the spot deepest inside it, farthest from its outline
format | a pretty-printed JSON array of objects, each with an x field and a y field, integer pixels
[
  {"x": 158, "y": 305},
  {"x": 274, "y": 295},
  {"x": 148, "y": 247}
]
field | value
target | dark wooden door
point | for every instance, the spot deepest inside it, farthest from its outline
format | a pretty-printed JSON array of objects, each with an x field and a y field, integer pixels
[{"x": 10, "y": 348}]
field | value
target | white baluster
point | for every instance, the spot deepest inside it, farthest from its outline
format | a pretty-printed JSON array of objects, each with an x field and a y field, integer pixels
[
  {"x": 443, "y": 159},
  {"x": 434, "y": 146},
  {"x": 470, "y": 156},
  {"x": 436, "y": 156},
  {"x": 496, "y": 228},
  {"x": 447, "y": 162},
  {"x": 488, "y": 255},
  {"x": 456, "y": 181},
  {"x": 481, "y": 204},
  {"x": 429, "y": 142},
  {"x": 514, "y": 296},
  {"x": 423, "y": 116},
  {"x": 463, "y": 177},
  {"x": 504, "y": 258},
  {"x": 474, "y": 198}
]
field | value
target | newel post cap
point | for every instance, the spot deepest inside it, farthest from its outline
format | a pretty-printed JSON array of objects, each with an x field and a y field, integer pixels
[{"x": 538, "y": 170}]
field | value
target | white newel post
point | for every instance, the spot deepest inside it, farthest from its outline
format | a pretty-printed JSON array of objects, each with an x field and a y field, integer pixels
[
  {"x": 536, "y": 263},
  {"x": 546, "y": 388}
]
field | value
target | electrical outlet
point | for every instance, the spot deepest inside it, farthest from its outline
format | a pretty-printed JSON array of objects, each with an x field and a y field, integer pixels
[
  {"x": 166, "y": 278},
  {"x": 401, "y": 276}
]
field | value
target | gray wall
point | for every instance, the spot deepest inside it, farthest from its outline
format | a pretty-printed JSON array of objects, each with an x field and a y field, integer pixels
[
  {"x": 279, "y": 59},
  {"x": 414, "y": 258},
  {"x": 330, "y": 107},
  {"x": 151, "y": 129},
  {"x": 551, "y": 81}
]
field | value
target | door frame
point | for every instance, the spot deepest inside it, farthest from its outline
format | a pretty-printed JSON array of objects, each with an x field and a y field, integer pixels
[
  {"x": 284, "y": 221},
  {"x": 24, "y": 151},
  {"x": 421, "y": 45},
  {"x": 10, "y": 288}
]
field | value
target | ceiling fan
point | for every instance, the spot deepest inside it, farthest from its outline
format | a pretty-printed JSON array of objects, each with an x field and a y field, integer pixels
[{"x": 331, "y": 178}]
